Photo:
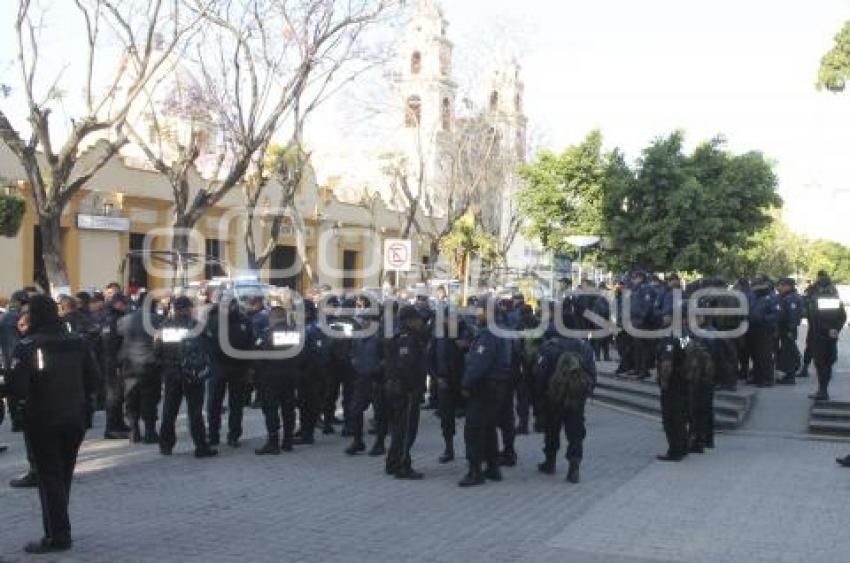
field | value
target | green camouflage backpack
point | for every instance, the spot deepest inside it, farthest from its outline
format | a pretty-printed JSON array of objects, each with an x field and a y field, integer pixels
[{"x": 568, "y": 386}]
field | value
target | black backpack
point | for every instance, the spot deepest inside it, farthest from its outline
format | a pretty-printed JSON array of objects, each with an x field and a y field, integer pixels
[{"x": 196, "y": 362}]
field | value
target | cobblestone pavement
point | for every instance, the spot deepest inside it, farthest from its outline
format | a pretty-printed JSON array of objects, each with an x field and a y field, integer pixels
[{"x": 757, "y": 497}]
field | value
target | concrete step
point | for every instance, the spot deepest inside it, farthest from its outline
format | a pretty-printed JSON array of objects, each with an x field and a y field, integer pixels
[
  {"x": 730, "y": 410},
  {"x": 830, "y": 417}
]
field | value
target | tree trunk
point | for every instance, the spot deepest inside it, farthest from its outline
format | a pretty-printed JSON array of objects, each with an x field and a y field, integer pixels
[
  {"x": 180, "y": 245},
  {"x": 250, "y": 244},
  {"x": 50, "y": 228}
]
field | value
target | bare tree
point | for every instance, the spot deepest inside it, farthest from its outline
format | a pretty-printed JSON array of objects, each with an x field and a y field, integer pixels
[
  {"x": 255, "y": 64},
  {"x": 50, "y": 155}
]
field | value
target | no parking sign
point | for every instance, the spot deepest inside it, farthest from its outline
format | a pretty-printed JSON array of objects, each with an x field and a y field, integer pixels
[{"x": 397, "y": 255}]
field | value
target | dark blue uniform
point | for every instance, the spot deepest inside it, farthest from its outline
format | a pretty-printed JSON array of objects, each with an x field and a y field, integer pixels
[
  {"x": 557, "y": 417},
  {"x": 788, "y": 358},
  {"x": 366, "y": 358},
  {"x": 642, "y": 315},
  {"x": 405, "y": 384},
  {"x": 765, "y": 311},
  {"x": 486, "y": 381},
  {"x": 277, "y": 379}
]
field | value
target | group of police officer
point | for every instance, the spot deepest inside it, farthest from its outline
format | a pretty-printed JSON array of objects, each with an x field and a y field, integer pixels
[{"x": 497, "y": 363}]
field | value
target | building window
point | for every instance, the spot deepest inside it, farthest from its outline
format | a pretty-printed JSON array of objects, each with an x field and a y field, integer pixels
[
  {"x": 214, "y": 250},
  {"x": 413, "y": 112},
  {"x": 137, "y": 275},
  {"x": 446, "y": 115},
  {"x": 349, "y": 266},
  {"x": 283, "y": 260},
  {"x": 518, "y": 103},
  {"x": 494, "y": 101},
  {"x": 416, "y": 62}
]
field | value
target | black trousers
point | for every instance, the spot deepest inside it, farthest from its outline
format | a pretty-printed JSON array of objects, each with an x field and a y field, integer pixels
[
  {"x": 625, "y": 343},
  {"x": 701, "y": 415},
  {"x": 571, "y": 420},
  {"x": 55, "y": 455},
  {"x": 674, "y": 417},
  {"x": 482, "y": 418},
  {"x": 142, "y": 393},
  {"x": 643, "y": 353},
  {"x": 824, "y": 354},
  {"x": 506, "y": 421},
  {"x": 403, "y": 414},
  {"x": 233, "y": 380},
  {"x": 277, "y": 392},
  {"x": 788, "y": 358},
  {"x": 114, "y": 395},
  {"x": 338, "y": 374},
  {"x": 176, "y": 388},
  {"x": 742, "y": 346},
  {"x": 450, "y": 400},
  {"x": 368, "y": 390},
  {"x": 525, "y": 394},
  {"x": 761, "y": 347},
  {"x": 308, "y": 399}
]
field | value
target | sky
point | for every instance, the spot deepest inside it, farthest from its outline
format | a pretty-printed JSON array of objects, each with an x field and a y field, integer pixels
[
  {"x": 639, "y": 69},
  {"x": 636, "y": 70}
]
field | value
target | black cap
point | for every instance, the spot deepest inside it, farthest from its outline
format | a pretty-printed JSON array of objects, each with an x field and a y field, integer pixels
[
  {"x": 20, "y": 297},
  {"x": 182, "y": 303},
  {"x": 786, "y": 281}
]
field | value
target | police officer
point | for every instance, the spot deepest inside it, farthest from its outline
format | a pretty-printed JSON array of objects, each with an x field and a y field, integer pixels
[
  {"x": 557, "y": 414},
  {"x": 642, "y": 313},
  {"x": 230, "y": 374},
  {"x": 623, "y": 340},
  {"x": 140, "y": 369},
  {"x": 52, "y": 377},
  {"x": 826, "y": 316},
  {"x": 485, "y": 384},
  {"x": 404, "y": 387},
  {"x": 77, "y": 322},
  {"x": 764, "y": 318},
  {"x": 787, "y": 353},
  {"x": 115, "y": 428},
  {"x": 366, "y": 358},
  {"x": 309, "y": 384},
  {"x": 700, "y": 369},
  {"x": 277, "y": 378},
  {"x": 185, "y": 359},
  {"x": 527, "y": 347},
  {"x": 674, "y": 395},
  {"x": 338, "y": 367},
  {"x": 447, "y": 353}
]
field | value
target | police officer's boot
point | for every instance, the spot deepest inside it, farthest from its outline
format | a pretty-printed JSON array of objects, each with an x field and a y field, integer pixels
[
  {"x": 271, "y": 447},
  {"x": 508, "y": 457},
  {"x": 135, "y": 432},
  {"x": 822, "y": 394},
  {"x": 449, "y": 453},
  {"x": 356, "y": 447},
  {"x": 493, "y": 473},
  {"x": 305, "y": 438},
  {"x": 548, "y": 465},
  {"x": 151, "y": 437},
  {"x": 474, "y": 477},
  {"x": 286, "y": 443},
  {"x": 26, "y": 481},
  {"x": 804, "y": 370},
  {"x": 378, "y": 449},
  {"x": 573, "y": 471}
]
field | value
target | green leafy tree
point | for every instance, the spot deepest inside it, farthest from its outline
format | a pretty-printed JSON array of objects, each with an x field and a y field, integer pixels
[
  {"x": 466, "y": 241},
  {"x": 835, "y": 64},
  {"x": 830, "y": 256},
  {"x": 775, "y": 251},
  {"x": 686, "y": 212},
  {"x": 562, "y": 193},
  {"x": 12, "y": 210}
]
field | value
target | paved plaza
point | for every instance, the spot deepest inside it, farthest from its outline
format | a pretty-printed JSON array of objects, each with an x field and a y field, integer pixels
[{"x": 767, "y": 493}]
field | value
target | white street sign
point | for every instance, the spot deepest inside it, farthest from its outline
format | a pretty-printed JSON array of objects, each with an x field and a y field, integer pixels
[{"x": 398, "y": 255}]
